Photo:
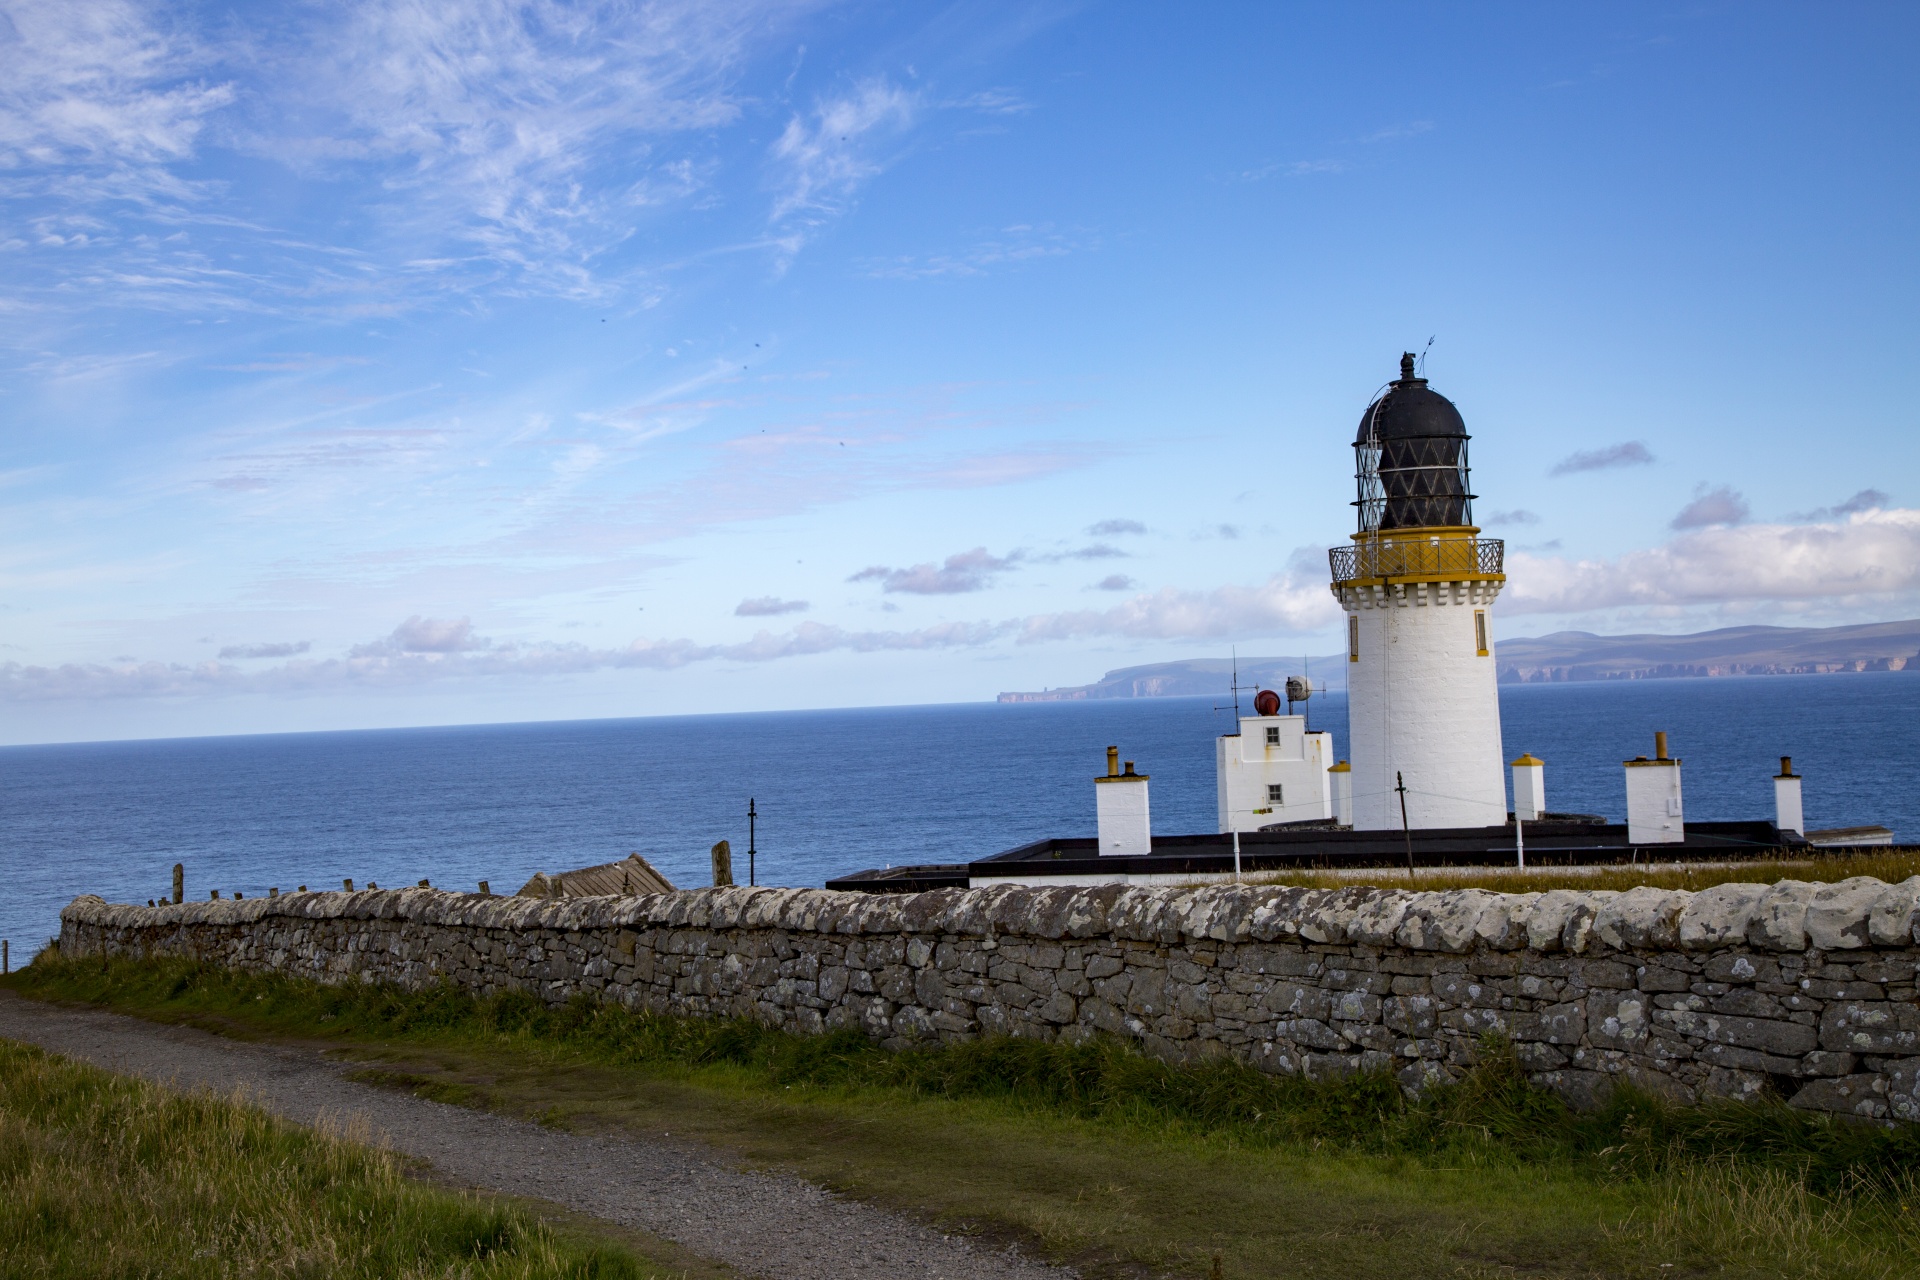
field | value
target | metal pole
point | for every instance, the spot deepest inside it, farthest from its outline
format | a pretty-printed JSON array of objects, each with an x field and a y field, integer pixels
[
  {"x": 752, "y": 820},
  {"x": 1405, "y": 830},
  {"x": 1520, "y": 840},
  {"x": 6, "y": 956},
  {"x": 1236, "y": 855}
]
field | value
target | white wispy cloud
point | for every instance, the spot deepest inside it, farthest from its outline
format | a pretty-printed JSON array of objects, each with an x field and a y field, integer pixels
[
  {"x": 527, "y": 125},
  {"x": 1864, "y": 500},
  {"x": 1723, "y": 505},
  {"x": 422, "y": 651},
  {"x": 1873, "y": 553},
  {"x": 962, "y": 572},
  {"x": 995, "y": 102},
  {"x": 424, "y": 635},
  {"x": 1013, "y": 246},
  {"x": 425, "y": 649},
  {"x": 503, "y": 145},
  {"x": 102, "y": 83},
  {"x": 1285, "y": 604},
  {"x": 768, "y": 607},
  {"x": 1398, "y": 132},
  {"x": 1630, "y": 454},
  {"x": 823, "y": 156},
  {"x": 1290, "y": 169},
  {"x": 283, "y": 649},
  {"x": 1094, "y": 551}
]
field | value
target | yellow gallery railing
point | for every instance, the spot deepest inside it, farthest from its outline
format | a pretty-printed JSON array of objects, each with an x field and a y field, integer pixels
[{"x": 1417, "y": 557}]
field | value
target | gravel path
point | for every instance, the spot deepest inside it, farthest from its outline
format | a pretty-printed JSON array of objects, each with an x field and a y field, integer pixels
[{"x": 762, "y": 1224}]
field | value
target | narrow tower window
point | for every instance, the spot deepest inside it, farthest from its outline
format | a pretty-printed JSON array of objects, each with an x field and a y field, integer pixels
[
  {"x": 1480, "y": 632},
  {"x": 1273, "y": 793},
  {"x": 1273, "y": 735},
  {"x": 1353, "y": 637}
]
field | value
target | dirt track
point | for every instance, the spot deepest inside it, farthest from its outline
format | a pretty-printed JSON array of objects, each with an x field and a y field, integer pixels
[{"x": 761, "y": 1224}]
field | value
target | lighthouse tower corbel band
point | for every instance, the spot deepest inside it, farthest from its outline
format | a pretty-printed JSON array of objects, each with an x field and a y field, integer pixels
[{"x": 1418, "y": 585}]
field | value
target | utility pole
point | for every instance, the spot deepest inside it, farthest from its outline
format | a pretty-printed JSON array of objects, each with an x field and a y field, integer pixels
[
  {"x": 1405, "y": 830},
  {"x": 1236, "y": 838},
  {"x": 752, "y": 819}
]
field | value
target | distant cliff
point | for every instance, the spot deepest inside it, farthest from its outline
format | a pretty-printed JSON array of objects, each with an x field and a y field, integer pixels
[
  {"x": 1209, "y": 677},
  {"x": 1562, "y": 656},
  {"x": 1731, "y": 651}
]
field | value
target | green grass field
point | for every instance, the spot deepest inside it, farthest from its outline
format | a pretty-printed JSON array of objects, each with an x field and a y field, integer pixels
[
  {"x": 101, "y": 1175},
  {"x": 1123, "y": 1165},
  {"x": 1891, "y": 865}
]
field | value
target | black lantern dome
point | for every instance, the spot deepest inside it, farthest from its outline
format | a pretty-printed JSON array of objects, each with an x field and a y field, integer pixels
[{"x": 1411, "y": 452}]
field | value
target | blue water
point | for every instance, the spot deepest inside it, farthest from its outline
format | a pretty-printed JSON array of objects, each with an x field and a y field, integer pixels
[{"x": 836, "y": 790}]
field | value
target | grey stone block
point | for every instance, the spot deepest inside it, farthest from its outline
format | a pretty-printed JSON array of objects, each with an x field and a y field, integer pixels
[
  {"x": 1641, "y": 919},
  {"x": 1742, "y": 1086},
  {"x": 1859, "y": 1095},
  {"x": 1768, "y": 1036},
  {"x": 1619, "y": 1021},
  {"x": 1563, "y": 1024},
  {"x": 1825, "y": 1062},
  {"x": 1719, "y": 916},
  {"x": 1779, "y": 920},
  {"x": 1894, "y": 920},
  {"x": 1870, "y": 1026},
  {"x": 1837, "y": 917},
  {"x": 1653, "y": 978}
]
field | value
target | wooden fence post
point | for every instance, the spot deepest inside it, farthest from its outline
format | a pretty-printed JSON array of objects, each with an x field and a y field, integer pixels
[
  {"x": 179, "y": 882},
  {"x": 723, "y": 865}
]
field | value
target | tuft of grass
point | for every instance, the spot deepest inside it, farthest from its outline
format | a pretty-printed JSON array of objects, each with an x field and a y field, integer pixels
[
  {"x": 1892, "y": 866},
  {"x": 102, "y": 1175}
]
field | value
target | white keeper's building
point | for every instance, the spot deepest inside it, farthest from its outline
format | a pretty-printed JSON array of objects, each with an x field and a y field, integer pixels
[{"x": 1274, "y": 771}]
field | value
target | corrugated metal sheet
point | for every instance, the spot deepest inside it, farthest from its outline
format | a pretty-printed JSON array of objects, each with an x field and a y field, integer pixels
[{"x": 632, "y": 874}]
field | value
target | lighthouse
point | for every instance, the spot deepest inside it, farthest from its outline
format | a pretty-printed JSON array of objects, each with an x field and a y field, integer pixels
[{"x": 1418, "y": 584}]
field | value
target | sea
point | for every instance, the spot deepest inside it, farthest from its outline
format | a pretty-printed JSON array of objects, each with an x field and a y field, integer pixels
[{"x": 835, "y": 791}]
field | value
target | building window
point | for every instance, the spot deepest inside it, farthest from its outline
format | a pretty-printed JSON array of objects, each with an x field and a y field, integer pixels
[
  {"x": 1273, "y": 794},
  {"x": 1480, "y": 632},
  {"x": 1273, "y": 735},
  {"x": 1353, "y": 637}
]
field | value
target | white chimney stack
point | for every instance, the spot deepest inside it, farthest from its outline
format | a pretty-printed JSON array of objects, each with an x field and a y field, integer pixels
[
  {"x": 1786, "y": 799},
  {"x": 1120, "y": 801},
  {"x": 1529, "y": 788},
  {"x": 1342, "y": 775},
  {"x": 1654, "y": 813}
]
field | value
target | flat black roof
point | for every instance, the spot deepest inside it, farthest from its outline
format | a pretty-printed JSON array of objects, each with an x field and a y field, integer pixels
[{"x": 1549, "y": 844}]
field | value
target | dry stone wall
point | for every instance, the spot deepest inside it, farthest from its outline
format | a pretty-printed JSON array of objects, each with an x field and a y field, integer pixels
[{"x": 1804, "y": 989}]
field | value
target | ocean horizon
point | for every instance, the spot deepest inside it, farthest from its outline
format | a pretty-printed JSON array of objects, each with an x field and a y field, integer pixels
[{"x": 836, "y": 790}]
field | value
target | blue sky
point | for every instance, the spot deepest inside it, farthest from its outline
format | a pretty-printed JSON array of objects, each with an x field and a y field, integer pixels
[{"x": 425, "y": 362}]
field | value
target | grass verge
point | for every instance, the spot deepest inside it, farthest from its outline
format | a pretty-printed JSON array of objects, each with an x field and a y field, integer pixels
[
  {"x": 1891, "y": 866},
  {"x": 1122, "y": 1164},
  {"x": 102, "y": 1175}
]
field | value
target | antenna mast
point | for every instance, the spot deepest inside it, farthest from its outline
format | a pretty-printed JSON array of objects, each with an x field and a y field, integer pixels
[{"x": 1235, "y": 687}]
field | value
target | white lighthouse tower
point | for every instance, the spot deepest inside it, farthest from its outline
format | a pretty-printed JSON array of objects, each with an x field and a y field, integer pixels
[{"x": 1418, "y": 585}]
